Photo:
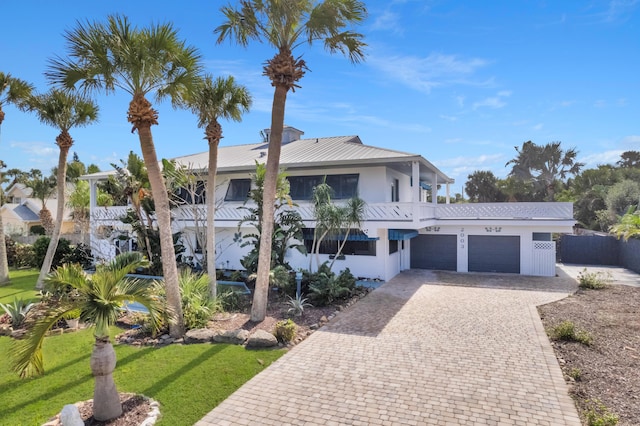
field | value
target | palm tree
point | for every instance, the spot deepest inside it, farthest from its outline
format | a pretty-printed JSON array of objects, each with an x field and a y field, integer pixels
[
  {"x": 222, "y": 98},
  {"x": 64, "y": 111},
  {"x": 141, "y": 62},
  {"x": 12, "y": 91},
  {"x": 42, "y": 187},
  {"x": 286, "y": 25},
  {"x": 544, "y": 165},
  {"x": 99, "y": 298},
  {"x": 628, "y": 225}
]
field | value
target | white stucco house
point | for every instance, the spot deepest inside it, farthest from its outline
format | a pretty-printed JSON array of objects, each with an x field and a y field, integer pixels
[{"x": 405, "y": 227}]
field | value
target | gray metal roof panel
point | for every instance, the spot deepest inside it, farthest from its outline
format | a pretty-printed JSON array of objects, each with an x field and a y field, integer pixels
[{"x": 26, "y": 214}]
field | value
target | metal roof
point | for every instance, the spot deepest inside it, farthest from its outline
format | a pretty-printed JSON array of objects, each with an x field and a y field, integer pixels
[
  {"x": 312, "y": 152},
  {"x": 26, "y": 214}
]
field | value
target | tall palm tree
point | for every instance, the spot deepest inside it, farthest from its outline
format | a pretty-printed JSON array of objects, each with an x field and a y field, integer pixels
[
  {"x": 544, "y": 165},
  {"x": 42, "y": 187},
  {"x": 64, "y": 111},
  {"x": 12, "y": 91},
  {"x": 99, "y": 298},
  {"x": 116, "y": 55},
  {"x": 286, "y": 25},
  {"x": 214, "y": 99}
]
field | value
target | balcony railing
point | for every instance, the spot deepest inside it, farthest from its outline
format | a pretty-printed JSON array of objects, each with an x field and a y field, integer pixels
[{"x": 383, "y": 212}]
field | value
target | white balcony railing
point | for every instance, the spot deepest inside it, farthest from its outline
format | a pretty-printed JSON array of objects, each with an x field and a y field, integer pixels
[{"x": 384, "y": 212}]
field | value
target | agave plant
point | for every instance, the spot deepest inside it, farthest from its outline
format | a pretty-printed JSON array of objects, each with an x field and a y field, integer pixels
[
  {"x": 17, "y": 311},
  {"x": 297, "y": 305}
]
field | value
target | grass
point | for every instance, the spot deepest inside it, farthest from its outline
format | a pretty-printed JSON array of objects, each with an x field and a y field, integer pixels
[
  {"x": 21, "y": 286},
  {"x": 187, "y": 380}
]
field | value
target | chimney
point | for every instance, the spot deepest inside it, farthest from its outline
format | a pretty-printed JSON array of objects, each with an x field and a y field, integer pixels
[{"x": 289, "y": 134}]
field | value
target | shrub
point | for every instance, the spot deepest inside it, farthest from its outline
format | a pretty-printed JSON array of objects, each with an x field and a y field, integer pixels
[
  {"x": 10, "y": 244},
  {"x": 197, "y": 304},
  {"x": 325, "y": 288},
  {"x": 80, "y": 254},
  {"x": 575, "y": 374},
  {"x": 40, "y": 251},
  {"x": 24, "y": 256},
  {"x": 566, "y": 331},
  {"x": 228, "y": 300},
  {"x": 594, "y": 280},
  {"x": 17, "y": 311},
  {"x": 37, "y": 230},
  {"x": 236, "y": 276},
  {"x": 596, "y": 414},
  {"x": 285, "y": 330}
]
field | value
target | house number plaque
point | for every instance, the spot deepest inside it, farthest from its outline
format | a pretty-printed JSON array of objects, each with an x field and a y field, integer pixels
[{"x": 462, "y": 238}]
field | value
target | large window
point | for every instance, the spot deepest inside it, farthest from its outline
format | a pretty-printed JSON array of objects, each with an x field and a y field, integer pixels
[
  {"x": 238, "y": 190},
  {"x": 193, "y": 195},
  {"x": 344, "y": 186},
  {"x": 351, "y": 247}
]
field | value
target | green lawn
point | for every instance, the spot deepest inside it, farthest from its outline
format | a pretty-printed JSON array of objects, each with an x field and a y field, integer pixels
[
  {"x": 21, "y": 286},
  {"x": 187, "y": 380}
]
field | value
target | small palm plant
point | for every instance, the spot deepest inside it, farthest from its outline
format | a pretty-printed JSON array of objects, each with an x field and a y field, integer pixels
[
  {"x": 17, "y": 311},
  {"x": 99, "y": 297}
]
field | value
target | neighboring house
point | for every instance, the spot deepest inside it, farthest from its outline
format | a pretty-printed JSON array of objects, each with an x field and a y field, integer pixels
[
  {"x": 21, "y": 212},
  {"x": 404, "y": 227}
]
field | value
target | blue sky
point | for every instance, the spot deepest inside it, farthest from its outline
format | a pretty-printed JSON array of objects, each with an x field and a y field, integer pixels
[{"x": 459, "y": 82}]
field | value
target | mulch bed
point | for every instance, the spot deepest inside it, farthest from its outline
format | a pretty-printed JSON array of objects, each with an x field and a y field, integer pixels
[{"x": 608, "y": 370}]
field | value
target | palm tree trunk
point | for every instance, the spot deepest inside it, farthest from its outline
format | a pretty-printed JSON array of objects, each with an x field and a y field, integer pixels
[
  {"x": 106, "y": 401},
  {"x": 4, "y": 262},
  {"x": 55, "y": 236},
  {"x": 163, "y": 214},
  {"x": 259, "y": 306},
  {"x": 211, "y": 215}
]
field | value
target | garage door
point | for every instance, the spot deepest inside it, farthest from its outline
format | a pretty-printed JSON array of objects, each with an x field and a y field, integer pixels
[
  {"x": 494, "y": 254},
  {"x": 434, "y": 252}
]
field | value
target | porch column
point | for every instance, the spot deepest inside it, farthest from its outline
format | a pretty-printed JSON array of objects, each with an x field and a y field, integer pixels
[
  {"x": 415, "y": 178},
  {"x": 448, "y": 193}
]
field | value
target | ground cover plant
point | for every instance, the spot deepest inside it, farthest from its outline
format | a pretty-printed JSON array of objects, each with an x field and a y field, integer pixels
[
  {"x": 603, "y": 376},
  {"x": 187, "y": 380}
]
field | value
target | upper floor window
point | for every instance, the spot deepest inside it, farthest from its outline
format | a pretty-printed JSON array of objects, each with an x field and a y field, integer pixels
[
  {"x": 344, "y": 186},
  {"x": 395, "y": 190},
  {"x": 238, "y": 190},
  {"x": 196, "y": 194}
]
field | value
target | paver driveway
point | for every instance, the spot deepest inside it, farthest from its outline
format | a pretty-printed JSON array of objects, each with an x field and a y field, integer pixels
[{"x": 416, "y": 351}]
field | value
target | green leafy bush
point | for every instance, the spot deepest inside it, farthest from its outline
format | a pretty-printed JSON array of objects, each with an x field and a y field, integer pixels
[
  {"x": 40, "y": 251},
  {"x": 229, "y": 300},
  {"x": 285, "y": 330},
  {"x": 24, "y": 256},
  {"x": 596, "y": 414},
  {"x": 325, "y": 287},
  {"x": 566, "y": 331},
  {"x": 594, "y": 280}
]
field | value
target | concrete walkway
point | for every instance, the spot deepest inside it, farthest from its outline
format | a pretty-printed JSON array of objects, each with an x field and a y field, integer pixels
[{"x": 426, "y": 348}]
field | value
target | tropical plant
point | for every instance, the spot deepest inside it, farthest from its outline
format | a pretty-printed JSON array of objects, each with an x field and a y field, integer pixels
[
  {"x": 64, "y": 111},
  {"x": 629, "y": 225},
  {"x": 42, "y": 187},
  {"x": 197, "y": 304},
  {"x": 297, "y": 305},
  {"x": 214, "y": 99},
  {"x": 12, "y": 91},
  {"x": 544, "y": 165},
  {"x": 621, "y": 196},
  {"x": 287, "y": 230},
  {"x": 17, "y": 311},
  {"x": 99, "y": 297},
  {"x": 116, "y": 55},
  {"x": 285, "y": 330},
  {"x": 629, "y": 159},
  {"x": 286, "y": 25}
]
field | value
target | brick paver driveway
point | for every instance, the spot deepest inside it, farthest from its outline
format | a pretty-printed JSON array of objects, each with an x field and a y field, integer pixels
[{"x": 425, "y": 348}]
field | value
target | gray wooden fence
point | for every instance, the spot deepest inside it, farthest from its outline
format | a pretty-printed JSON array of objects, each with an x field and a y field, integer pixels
[{"x": 600, "y": 250}]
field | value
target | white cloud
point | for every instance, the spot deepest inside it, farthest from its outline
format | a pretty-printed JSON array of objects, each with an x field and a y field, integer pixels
[
  {"x": 607, "y": 157},
  {"x": 448, "y": 117},
  {"x": 494, "y": 102},
  {"x": 387, "y": 21},
  {"x": 426, "y": 73},
  {"x": 472, "y": 162},
  {"x": 41, "y": 155},
  {"x": 631, "y": 141},
  {"x": 538, "y": 126}
]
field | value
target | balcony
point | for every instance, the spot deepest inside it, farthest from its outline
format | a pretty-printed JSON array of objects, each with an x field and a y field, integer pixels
[{"x": 414, "y": 215}]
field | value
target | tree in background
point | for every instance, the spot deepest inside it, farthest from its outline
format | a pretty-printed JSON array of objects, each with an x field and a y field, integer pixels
[
  {"x": 64, "y": 111},
  {"x": 154, "y": 60},
  {"x": 629, "y": 159},
  {"x": 12, "y": 91},
  {"x": 629, "y": 224},
  {"x": 544, "y": 165},
  {"x": 42, "y": 187},
  {"x": 215, "y": 99},
  {"x": 482, "y": 187},
  {"x": 286, "y": 25}
]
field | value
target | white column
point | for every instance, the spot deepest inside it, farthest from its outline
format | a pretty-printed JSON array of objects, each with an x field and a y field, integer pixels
[
  {"x": 415, "y": 178},
  {"x": 434, "y": 188},
  {"x": 448, "y": 194}
]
